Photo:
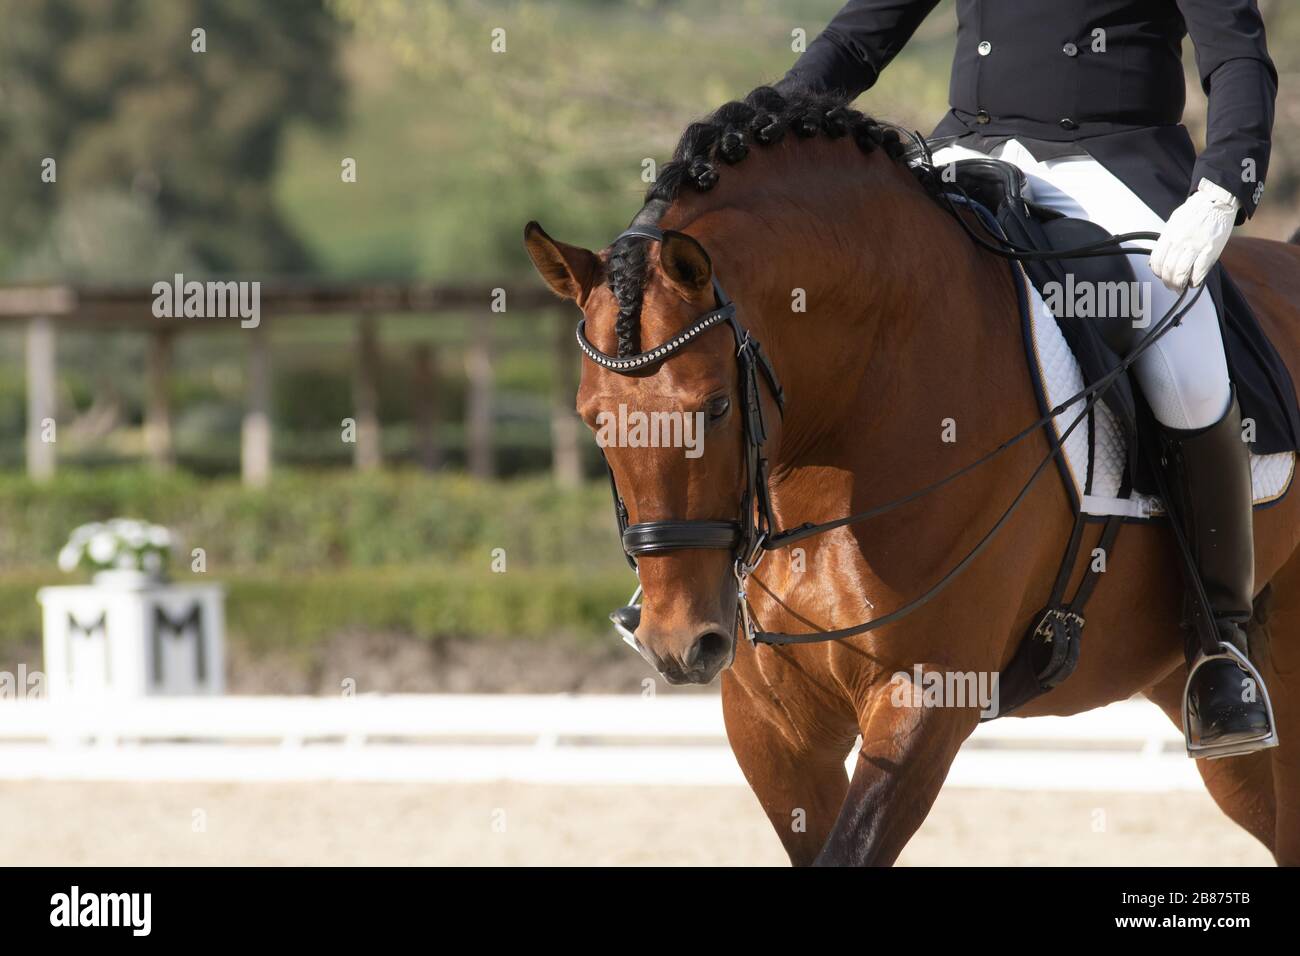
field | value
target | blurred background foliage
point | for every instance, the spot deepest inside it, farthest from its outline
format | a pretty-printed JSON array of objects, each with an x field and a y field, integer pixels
[
  {"x": 167, "y": 156},
  {"x": 227, "y": 162}
]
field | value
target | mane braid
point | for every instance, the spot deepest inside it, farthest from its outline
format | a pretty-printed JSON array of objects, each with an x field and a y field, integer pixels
[{"x": 723, "y": 139}]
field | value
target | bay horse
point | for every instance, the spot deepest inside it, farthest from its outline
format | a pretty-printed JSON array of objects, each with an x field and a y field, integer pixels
[{"x": 888, "y": 327}]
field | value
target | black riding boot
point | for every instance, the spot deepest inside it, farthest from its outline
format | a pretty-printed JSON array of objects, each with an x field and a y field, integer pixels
[{"x": 1209, "y": 477}]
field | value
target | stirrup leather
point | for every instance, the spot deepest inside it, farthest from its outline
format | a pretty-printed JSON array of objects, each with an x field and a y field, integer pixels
[{"x": 1197, "y": 750}]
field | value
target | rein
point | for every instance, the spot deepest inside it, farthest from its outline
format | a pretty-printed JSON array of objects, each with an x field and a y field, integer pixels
[
  {"x": 755, "y": 534},
  {"x": 1097, "y": 390}
]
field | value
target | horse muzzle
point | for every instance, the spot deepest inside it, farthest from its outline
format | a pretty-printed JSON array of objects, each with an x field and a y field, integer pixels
[{"x": 710, "y": 652}]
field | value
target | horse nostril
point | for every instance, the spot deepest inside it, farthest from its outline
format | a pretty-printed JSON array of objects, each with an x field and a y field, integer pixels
[{"x": 709, "y": 651}]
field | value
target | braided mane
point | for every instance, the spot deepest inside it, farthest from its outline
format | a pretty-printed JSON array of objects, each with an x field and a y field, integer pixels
[{"x": 723, "y": 139}]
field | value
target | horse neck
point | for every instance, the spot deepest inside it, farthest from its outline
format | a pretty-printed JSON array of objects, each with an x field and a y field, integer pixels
[{"x": 907, "y": 325}]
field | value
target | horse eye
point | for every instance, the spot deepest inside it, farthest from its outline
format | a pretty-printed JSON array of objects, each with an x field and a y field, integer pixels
[{"x": 719, "y": 407}]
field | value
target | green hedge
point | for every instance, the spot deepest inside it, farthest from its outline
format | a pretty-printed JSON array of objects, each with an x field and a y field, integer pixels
[
  {"x": 315, "y": 555},
  {"x": 20, "y": 616},
  {"x": 298, "y": 613},
  {"x": 309, "y": 521},
  {"x": 429, "y": 603}
]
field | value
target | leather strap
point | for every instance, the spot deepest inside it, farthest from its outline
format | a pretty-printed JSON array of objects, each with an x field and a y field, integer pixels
[{"x": 654, "y": 537}]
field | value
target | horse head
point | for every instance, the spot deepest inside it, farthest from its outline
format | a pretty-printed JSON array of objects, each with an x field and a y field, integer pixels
[
  {"x": 688, "y": 416},
  {"x": 672, "y": 434}
]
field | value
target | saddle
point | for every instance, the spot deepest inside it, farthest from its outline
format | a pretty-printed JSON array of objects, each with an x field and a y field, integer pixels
[
  {"x": 1123, "y": 430},
  {"x": 1122, "y": 422},
  {"x": 1098, "y": 344}
]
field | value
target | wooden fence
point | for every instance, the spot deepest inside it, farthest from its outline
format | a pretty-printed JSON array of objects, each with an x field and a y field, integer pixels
[{"x": 46, "y": 309}]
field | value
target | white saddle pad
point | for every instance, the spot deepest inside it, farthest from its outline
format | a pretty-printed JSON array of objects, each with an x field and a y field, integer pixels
[{"x": 1102, "y": 447}]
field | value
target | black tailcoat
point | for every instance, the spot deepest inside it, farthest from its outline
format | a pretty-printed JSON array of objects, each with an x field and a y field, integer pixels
[{"x": 1104, "y": 77}]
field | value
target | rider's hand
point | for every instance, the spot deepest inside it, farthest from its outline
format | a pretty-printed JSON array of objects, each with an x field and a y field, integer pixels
[{"x": 1194, "y": 237}]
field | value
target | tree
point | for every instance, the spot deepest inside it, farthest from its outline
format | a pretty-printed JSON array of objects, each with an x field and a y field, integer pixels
[{"x": 169, "y": 111}]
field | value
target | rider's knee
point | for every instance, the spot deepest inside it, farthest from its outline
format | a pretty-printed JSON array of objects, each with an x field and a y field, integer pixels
[{"x": 1203, "y": 395}]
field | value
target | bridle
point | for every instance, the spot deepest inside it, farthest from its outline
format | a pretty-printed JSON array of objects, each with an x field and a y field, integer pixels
[
  {"x": 746, "y": 537},
  {"x": 755, "y": 533}
]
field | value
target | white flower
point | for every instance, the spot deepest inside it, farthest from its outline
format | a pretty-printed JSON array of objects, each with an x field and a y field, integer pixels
[
  {"x": 102, "y": 548},
  {"x": 129, "y": 530},
  {"x": 69, "y": 558},
  {"x": 118, "y": 542},
  {"x": 84, "y": 533}
]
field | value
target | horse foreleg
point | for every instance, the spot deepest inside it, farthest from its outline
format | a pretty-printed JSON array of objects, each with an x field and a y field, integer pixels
[
  {"x": 797, "y": 773},
  {"x": 905, "y": 755}
]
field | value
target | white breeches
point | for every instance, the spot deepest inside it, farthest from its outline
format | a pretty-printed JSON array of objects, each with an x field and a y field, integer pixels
[{"x": 1184, "y": 375}]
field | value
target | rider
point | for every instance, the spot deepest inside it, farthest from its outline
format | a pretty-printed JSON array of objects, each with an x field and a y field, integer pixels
[{"x": 1086, "y": 98}]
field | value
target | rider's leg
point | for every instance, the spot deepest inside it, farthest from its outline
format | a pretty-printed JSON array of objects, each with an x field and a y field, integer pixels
[
  {"x": 1209, "y": 471},
  {"x": 1184, "y": 377}
]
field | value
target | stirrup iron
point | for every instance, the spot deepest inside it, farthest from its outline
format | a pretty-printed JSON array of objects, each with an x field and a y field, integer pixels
[{"x": 1197, "y": 750}]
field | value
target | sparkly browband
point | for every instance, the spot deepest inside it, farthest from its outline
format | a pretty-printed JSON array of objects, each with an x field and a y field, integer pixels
[
  {"x": 641, "y": 360},
  {"x": 725, "y": 312}
]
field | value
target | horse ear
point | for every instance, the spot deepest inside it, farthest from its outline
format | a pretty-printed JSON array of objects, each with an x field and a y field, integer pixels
[
  {"x": 570, "y": 271},
  {"x": 684, "y": 262}
]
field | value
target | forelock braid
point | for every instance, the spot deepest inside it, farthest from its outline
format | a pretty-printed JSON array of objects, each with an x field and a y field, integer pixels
[{"x": 627, "y": 274}]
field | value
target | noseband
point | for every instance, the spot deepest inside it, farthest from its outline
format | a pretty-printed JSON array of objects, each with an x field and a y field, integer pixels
[{"x": 744, "y": 537}]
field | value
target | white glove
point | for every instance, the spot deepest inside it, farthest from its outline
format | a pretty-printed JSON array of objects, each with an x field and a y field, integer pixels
[{"x": 1194, "y": 237}]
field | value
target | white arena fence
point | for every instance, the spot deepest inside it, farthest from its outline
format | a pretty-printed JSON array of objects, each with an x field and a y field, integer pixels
[{"x": 561, "y": 739}]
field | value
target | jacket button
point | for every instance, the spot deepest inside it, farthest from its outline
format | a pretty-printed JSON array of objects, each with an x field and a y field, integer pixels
[
  {"x": 982, "y": 117},
  {"x": 1068, "y": 123},
  {"x": 1070, "y": 50},
  {"x": 985, "y": 48}
]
